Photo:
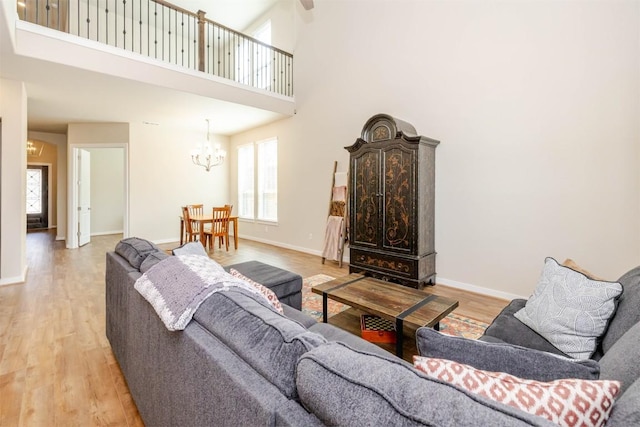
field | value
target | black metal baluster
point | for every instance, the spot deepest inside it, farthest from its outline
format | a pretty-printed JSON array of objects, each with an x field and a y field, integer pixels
[
  {"x": 140, "y": 23},
  {"x": 124, "y": 24},
  {"x": 98, "y": 20},
  {"x": 219, "y": 44},
  {"x": 106, "y": 20},
  {"x": 88, "y": 21}
]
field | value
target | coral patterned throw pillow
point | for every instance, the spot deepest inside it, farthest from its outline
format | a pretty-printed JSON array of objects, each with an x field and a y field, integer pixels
[
  {"x": 266, "y": 292},
  {"x": 566, "y": 402}
]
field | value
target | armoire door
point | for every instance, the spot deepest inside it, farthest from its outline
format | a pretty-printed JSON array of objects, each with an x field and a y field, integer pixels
[
  {"x": 366, "y": 198},
  {"x": 399, "y": 197}
]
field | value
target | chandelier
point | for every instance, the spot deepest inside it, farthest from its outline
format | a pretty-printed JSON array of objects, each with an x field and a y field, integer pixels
[
  {"x": 208, "y": 156},
  {"x": 33, "y": 150}
]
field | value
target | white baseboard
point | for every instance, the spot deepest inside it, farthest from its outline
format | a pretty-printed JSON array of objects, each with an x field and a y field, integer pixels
[
  {"x": 175, "y": 240},
  {"x": 440, "y": 280},
  {"x": 477, "y": 289},
  {"x": 13, "y": 280},
  {"x": 106, "y": 233},
  {"x": 294, "y": 248}
]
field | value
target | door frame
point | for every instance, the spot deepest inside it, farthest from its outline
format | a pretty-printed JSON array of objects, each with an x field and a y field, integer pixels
[
  {"x": 49, "y": 195},
  {"x": 72, "y": 189}
]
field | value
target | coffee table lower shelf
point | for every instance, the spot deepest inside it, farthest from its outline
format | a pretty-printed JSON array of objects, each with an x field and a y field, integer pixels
[{"x": 349, "y": 320}]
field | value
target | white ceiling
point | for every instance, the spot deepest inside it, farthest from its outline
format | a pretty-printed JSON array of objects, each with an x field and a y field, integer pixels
[{"x": 58, "y": 94}]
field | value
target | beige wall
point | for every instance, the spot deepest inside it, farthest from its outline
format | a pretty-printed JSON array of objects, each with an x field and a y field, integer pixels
[
  {"x": 536, "y": 105},
  {"x": 163, "y": 178},
  {"x": 107, "y": 190},
  {"x": 13, "y": 163}
]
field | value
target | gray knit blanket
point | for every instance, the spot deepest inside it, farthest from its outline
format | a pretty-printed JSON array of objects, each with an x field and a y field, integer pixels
[{"x": 178, "y": 285}]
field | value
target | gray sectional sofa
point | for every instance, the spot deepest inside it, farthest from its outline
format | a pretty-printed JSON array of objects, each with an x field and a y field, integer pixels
[{"x": 240, "y": 363}]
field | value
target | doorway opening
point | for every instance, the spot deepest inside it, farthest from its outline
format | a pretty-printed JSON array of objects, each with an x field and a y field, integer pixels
[
  {"x": 99, "y": 192},
  {"x": 37, "y": 197}
]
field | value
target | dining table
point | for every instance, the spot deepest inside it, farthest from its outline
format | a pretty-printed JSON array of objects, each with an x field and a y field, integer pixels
[{"x": 208, "y": 219}]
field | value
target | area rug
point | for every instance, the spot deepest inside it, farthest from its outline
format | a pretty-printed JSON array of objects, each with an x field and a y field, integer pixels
[{"x": 453, "y": 324}]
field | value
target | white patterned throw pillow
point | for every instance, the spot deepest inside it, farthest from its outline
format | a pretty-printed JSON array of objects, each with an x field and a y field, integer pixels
[{"x": 569, "y": 309}]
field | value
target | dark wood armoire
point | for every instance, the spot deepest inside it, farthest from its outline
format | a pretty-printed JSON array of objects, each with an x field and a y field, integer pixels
[{"x": 392, "y": 189}]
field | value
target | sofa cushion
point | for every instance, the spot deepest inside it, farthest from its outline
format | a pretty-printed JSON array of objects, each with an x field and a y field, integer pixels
[
  {"x": 266, "y": 340},
  {"x": 569, "y": 309},
  {"x": 135, "y": 250},
  {"x": 334, "y": 334},
  {"x": 626, "y": 411},
  {"x": 566, "y": 402},
  {"x": 628, "y": 313},
  {"x": 152, "y": 259},
  {"x": 519, "y": 361},
  {"x": 268, "y": 293},
  {"x": 294, "y": 314},
  {"x": 342, "y": 386},
  {"x": 621, "y": 361},
  {"x": 506, "y": 328}
]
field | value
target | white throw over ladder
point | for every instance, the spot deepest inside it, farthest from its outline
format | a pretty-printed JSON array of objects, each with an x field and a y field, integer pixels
[{"x": 336, "y": 233}]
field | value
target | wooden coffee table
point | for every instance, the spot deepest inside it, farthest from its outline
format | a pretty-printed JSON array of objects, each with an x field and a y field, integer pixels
[{"x": 400, "y": 304}]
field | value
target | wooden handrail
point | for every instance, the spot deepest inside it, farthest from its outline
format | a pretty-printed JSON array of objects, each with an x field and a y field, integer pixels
[{"x": 170, "y": 33}]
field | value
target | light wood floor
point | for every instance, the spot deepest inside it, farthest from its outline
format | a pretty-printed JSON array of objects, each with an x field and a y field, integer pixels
[{"x": 56, "y": 366}]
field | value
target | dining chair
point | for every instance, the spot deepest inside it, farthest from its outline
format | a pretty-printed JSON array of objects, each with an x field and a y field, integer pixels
[
  {"x": 219, "y": 227},
  {"x": 194, "y": 210},
  {"x": 191, "y": 235}
]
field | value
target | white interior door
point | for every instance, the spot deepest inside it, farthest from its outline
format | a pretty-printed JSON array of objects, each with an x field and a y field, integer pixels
[{"x": 84, "y": 197}]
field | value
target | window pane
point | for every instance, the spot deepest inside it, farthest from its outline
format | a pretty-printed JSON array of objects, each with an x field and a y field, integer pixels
[
  {"x": 268, "y": 180},
  {"x": 34, "y": 191},
  {"x": 245, "y": 181},
  {"x": 262, "y": 62}
]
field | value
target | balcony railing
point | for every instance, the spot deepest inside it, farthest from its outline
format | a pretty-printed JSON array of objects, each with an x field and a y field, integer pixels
[{"x": 160, "y": 30}]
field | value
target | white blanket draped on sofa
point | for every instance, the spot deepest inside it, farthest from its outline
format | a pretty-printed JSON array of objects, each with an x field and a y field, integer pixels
[{"x": 178, "y": 285}]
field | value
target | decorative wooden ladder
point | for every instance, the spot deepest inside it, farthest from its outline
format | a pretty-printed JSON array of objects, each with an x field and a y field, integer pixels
[{"x": 338, "y": 208}]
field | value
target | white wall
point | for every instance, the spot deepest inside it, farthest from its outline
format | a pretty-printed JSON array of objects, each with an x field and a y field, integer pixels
[
  {"x": 163, "y": 178},
  {"x": 13, "y": 164},
  {"x": 107, "y": 190},
  {"x": 536, "y": 105}
]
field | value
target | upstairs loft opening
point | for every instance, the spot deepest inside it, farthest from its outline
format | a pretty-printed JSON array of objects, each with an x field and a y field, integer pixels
[{"x": 169, "y": 33}]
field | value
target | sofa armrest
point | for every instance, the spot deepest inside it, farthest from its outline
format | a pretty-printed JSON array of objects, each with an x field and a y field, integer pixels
[{"x": 516, "y": 360}]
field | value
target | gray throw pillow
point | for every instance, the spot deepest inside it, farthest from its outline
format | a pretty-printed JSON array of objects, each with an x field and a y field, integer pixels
[
  {"x": 152, "y": 259},
  {"x": 191, "y": 248},
  {"x": 518, "y": 361},
  {"x": 135, "y": 250},
  {"x": 569, "y": 309}
]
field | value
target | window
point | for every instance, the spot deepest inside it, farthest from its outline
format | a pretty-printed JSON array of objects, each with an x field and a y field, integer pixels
[
  {"x": 258, "y": 169},
  {"x": 254, "y": 60},
  {"x": 34, "y": 191},
  {"x": 245, "y": 181}
]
